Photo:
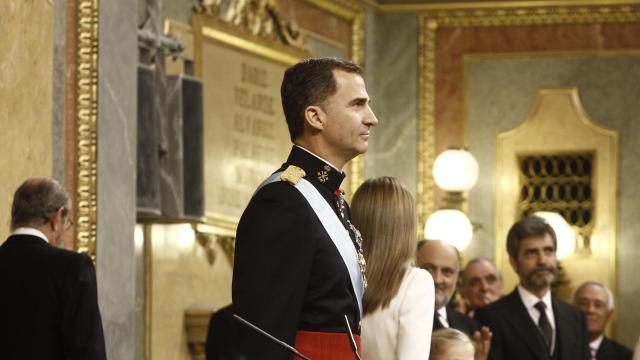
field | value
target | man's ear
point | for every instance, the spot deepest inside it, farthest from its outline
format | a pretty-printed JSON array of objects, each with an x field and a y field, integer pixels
[
  {"x": 314, "y": 116},
  {"x": 56, "y": 219}
]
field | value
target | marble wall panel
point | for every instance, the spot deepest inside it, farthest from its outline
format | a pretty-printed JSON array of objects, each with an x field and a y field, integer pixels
[
  {"x": 453, "y": 43},
  {"x": 26, "y": 75},
  {"x": 392, "y": 82},
  {"x": 116, "y": 183},
  {"x": 500, "y": 93},
  {"x": 181, "y": 278}
]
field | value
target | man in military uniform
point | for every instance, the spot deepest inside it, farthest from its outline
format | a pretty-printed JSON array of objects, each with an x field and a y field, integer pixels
[{"x": 299, "y": 270}]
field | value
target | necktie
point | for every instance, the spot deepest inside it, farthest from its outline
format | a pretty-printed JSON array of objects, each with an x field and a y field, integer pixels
[
  {"x": 544, "y": 325},
  {"x": 437, "y": 324}
]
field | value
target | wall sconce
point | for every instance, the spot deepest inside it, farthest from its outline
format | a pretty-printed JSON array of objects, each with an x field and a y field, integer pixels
[
  {"x": 454, "y": 171},
  {"x": 565, "y": 235}
]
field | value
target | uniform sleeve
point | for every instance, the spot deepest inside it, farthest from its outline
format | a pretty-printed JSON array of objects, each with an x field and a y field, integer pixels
[
  {"x": 416, "y": 318},
  {"x": 485, "y": 319},
  {"x": 273, "y": 259},
  {"x": 81, "y": 323}
]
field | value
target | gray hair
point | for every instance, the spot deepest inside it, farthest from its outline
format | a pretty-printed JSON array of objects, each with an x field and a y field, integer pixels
[
  {"x": 610, "y": 302},
  {"x": 478, "y": 260},
  {"x": 36, "y": 200}
]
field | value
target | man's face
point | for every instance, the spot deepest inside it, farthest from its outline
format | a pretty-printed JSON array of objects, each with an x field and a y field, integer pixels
[
  {"x": 441, "y": 261},
  {"x": 348, "y": 117},
  {"x": 536, "y": 263},
  {"x": 482, "y": 284},
  {"x": 593, "y": 300}
]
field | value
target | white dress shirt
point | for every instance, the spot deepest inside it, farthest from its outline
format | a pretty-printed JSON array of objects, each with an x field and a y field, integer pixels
[
  {"x": 530, "y": 300},
  {"x": 402, "y": 331},
  {"x": 442, "y": 316},
  {"x": 595, "y": 345},
  {"x": 30, "y": 231}
]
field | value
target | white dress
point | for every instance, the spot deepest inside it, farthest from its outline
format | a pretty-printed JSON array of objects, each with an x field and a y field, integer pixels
[{"x": 403, "y": 330}]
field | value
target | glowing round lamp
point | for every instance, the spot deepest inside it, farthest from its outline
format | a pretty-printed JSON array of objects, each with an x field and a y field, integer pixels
[
  {"x": 451, "y": 226},
  {"x": 455, "y": 170},
  {"x": 565, "y": 235}
]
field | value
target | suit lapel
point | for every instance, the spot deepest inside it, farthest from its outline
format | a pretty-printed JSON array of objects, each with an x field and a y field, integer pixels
[
  {"x": 524, "y": 326},
  {"x": 565, "y": 325}
]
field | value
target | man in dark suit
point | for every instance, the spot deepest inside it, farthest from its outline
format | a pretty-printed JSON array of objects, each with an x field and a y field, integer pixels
[
  {"x": 529, "y": 323},
  {"x": 596, "y": 300},
  {"x": 49, "y": 306},
  {"x": 222, "y": 335},
  {"x": 442, "y": 261},
  {"x": 299, "y": 268}
]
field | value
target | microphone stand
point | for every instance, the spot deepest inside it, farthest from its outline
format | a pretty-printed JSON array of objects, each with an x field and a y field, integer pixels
[
  {"x": 352, "y": 341},
  {"x": 289, "y": 348}
]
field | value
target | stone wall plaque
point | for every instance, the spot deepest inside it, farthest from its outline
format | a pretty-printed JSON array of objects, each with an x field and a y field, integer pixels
[{"x": 245, "y": 133}]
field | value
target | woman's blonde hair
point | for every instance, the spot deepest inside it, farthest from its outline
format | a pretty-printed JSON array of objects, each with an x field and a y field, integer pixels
[
  {"x": 385, "y": 213},
  {"x": 445, "y": 339}
]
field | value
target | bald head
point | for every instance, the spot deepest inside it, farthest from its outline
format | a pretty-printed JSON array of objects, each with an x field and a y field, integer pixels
[{"x": 442, "y": 260}]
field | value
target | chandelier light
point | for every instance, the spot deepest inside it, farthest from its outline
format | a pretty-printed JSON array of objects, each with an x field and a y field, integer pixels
[
  {"x": 455, "y": 170},
  {"x": 451, "y": 226},
  {"x": 565, "y": 235}
]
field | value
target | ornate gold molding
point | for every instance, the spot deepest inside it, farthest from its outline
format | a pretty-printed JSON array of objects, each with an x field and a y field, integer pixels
[
  {"x": 489, "y": 14},
  {"x": 492, "y": 5},
  {"x": 86, "y": 126},
  {"x": 353, "y": 12},
  {"x": 260, "y": 18},
  {"x": 426, "y": 119}
]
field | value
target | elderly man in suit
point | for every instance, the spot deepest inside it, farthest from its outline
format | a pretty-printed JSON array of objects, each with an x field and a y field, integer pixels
[
  {"x": 481, "y": 283},
  {"x": 442, "y": 261},
  {"x": 49, "y": 306},
  {"x": 596, "y": 300},
  {"x": 529, "y": 324}
]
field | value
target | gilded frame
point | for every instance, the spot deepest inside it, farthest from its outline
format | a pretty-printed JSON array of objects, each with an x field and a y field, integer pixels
[
  {"x": 435, "y": 16},
  {"x": 85, "y": 118},
  {"x": 353, "y": 12}
]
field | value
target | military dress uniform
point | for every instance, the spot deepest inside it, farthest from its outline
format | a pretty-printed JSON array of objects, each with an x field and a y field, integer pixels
[{"x": 289, "y": 277}]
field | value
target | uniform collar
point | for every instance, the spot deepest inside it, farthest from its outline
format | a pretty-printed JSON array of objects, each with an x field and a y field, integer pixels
[{"x": 318, "y": 170}]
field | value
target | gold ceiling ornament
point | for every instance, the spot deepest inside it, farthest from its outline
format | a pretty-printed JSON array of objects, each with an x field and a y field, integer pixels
[
  {"x": 86, "y": 126},
  {"x": 508, "y": 13},
  {"x": 261, "y": 18}
]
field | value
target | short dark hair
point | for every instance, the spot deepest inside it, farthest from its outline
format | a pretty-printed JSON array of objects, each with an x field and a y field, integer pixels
[
  {"x": 36, "y": 200},
  {"x": 525, "y": 228},
  {"x": 309, "y": 82}
]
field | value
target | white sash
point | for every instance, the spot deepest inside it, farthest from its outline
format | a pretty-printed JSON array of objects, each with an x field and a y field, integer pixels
[{"x": 334, "y": 227}]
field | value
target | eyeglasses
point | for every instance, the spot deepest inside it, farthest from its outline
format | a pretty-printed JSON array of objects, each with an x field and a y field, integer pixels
[{"x": 68, "y": 223}]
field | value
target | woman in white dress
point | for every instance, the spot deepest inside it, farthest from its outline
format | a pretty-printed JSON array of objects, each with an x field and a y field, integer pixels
[{"x": 398, "y": 303}]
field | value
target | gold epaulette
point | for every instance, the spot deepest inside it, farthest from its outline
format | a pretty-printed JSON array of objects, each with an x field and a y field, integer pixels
[{"x": 292, "y": 174}]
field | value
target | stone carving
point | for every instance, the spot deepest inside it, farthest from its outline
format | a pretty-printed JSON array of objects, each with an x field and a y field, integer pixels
[{"x": 261, "y": 18}]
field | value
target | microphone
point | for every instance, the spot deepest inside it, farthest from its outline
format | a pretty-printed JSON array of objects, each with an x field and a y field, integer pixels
[
  {"x": 289, "y": 348},
  {"x": 352, "y": 341}
]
